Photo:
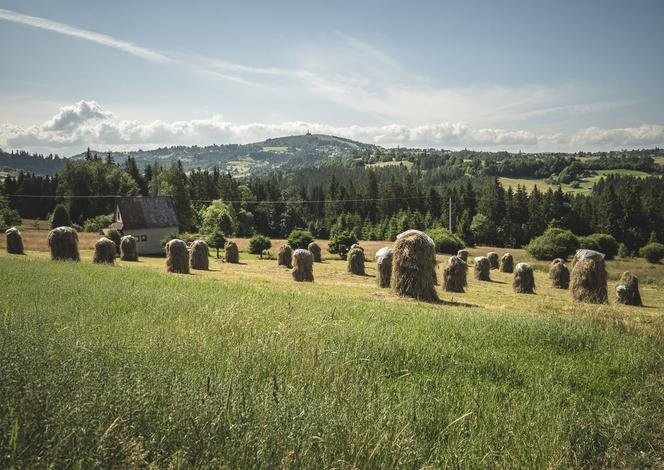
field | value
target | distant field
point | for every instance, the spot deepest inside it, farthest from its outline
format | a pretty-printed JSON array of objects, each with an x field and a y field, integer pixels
[
  {"x": 586, "y": 184},
  {"x": 275, "y": 149},
  {"x": 405, "y": 163}
]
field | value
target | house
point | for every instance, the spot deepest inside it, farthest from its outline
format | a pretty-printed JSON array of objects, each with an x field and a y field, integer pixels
[{"x": 148, "y": 219}]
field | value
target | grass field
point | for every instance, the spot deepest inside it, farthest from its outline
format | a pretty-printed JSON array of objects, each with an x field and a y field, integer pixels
[
  {"x": 241, "y": 367},
  {"x": 585, "y": 186}
]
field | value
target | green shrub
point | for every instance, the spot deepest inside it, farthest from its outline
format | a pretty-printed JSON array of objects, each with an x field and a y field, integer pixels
[
  {"x": 341, "y": 241},
  {"x": 60, "y": 217},
  {"x": 653, "y": 252},
  {"x": 300, "y": 239},
  {"x": 554, "y": 243},
  {"x": 116, "y": 236},
  {"x": 216, "y": 240},
  {"x": 623, "y": 251},
  {"x": 8, "y": 216},
  {"x": 258, "y": 244},
  {"x": 600, "y": 242},
  {"x": 95, "y": 224},
  {"x": 446, "y": 242}
]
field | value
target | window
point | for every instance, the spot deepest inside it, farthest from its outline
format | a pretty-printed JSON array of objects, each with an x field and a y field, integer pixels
[{"x": 144, "y": 238}]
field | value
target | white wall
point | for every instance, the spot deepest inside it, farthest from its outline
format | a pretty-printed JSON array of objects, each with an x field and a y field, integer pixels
[{"x": 149, "y": 239}]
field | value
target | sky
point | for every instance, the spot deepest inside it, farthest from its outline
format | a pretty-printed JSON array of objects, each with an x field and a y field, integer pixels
[{"x": 512, "y": 75}]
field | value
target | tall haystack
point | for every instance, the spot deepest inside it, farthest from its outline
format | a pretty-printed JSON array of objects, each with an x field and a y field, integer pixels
[
  {"x": 627, "y": 291},
  {"x": 177, "y": 257},
  {"x": 492, "y": 256},
  {"x": 303, "y": 266},
  {"x": 454, "y": 275},
  {"x": 524, "y": 279},
  {"x": 104, "y": 251},
  {"x": 384, "y": 266},
  {"x": 63, "y": 243},
  {"x": 463, "y": 255},
  {"x": 231, "y": 253},
  {"x": 285, "y": 256},
  {"x": 559, "y": 274},
  {"x": 14, "y": 241},
  {"x": 414, "y": 266},
  {"x": 315, "y": 251},
  {"x": 482, "y": 268},
  {"x": 199, "y": 255},
  {"x": 128, "y": 248},
  {"x": 356, "y": 261},
  {"x": 589, "y": 277},
  {"x": 506, "y": 263}
]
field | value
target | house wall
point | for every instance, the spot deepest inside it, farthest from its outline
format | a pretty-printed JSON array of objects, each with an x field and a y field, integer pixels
[{"x": 149, "y": 239}]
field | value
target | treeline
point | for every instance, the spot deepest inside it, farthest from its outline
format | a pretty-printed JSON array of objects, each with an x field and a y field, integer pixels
[{"x": 31, "y": 163}]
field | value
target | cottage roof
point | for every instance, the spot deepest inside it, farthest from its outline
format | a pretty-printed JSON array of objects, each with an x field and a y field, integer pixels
[{"x": 147, "y": 212}]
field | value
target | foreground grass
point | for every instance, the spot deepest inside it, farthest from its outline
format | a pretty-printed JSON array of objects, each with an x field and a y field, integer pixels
[{"x": 119, "y": 366}]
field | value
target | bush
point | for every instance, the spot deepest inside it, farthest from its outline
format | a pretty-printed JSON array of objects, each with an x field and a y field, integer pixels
[
  {"x": 623, "y": 251},
  {"x": 341, "y": 241},
  {"x": 8, "y": 216},
  {"x": 300, "y": 239},
  {"x": 95, "y": 224},
  {"x": 116, "y": 236},
  {"x": 60, "y": 217},
  {"x": 216, "y": 240},
  {"x": 554, "y": 243},
  {"x": 600, "y": 242},
  {"x": 653, "y": 252},
  {"x": 446, "y": 242},
  {"x": 258, "y": 244}
]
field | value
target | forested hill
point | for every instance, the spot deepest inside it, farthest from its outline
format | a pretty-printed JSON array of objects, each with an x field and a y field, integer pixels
[{"x": 13, "y": 162}]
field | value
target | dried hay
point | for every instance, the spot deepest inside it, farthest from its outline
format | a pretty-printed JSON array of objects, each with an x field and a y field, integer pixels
[
  {"x": 589, "y": 277},
  {"x": 627, "y": 291},
  {"x": 63, "y": 243},
  {"x": 356, "y": 261},
  {"x": 14, "y": 241},
  {"x": 454, "y": 275},
  {"x": 524, "y": 279},
  {"x": 492, "y": 256},
  {"x": 463, "y": 255},
  {"x": 128, "y": 248},
  {"x": 231, "y": 253},
  {"x": 199, "y": 255},
  {"x": 285, "y": 256},
  {"x": 303, "y": 266},
  {"x": 104, "y": 251},
  {"x": 414, "y": 265},
  {"x": 315, "y": 251},
  {"x": 177, "y": 257},
  {"x": 559, "y": 274},
  {"x": 506, "y": 263},
  {"x": 482, "y": 268},
  {"x": 356, "y": 245},
  {"x": 384, "y": 266}
]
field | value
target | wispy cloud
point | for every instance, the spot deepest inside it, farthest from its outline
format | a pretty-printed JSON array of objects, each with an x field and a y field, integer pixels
[{"x": 106, "y": 40}]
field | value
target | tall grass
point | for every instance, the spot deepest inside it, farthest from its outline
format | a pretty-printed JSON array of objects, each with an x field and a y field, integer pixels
[{"x": 112, "y": 366}]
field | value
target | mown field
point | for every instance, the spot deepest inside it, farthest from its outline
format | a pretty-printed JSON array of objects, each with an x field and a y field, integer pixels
[
  {"x": 239, "y": 366},
  {"x": 585, "y": 186}
]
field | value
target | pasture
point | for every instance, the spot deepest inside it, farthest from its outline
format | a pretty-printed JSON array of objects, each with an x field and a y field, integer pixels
[
  {"x": 585, "y": 185},
  {"x": 239, "y": 366}
]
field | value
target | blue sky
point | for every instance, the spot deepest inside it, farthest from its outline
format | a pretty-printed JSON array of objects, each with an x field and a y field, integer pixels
[{"x": 526, "y": 75}]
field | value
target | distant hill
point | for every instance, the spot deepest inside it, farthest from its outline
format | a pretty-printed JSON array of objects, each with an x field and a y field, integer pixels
[{"x": 30, "y": 163}]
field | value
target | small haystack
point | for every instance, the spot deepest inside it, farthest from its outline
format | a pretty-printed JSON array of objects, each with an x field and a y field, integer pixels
[
  {"x": 199, "y": 255},
  {"x": 627, "y": 290},
  {"x": 384, "y": 266},
  {"x": 14, "y": 241},
  {"x": 524, "y": 279},
  {"x": 463, "y": 255},
  {"x": 231, "y": 253},
  {"x": 492, "y": 256},
  {"x": 414, "y": 266},
  {"x": 589, "y": 277},
  {"x": 482, "y": 268},
  {"x": 303, "y": 266},
  {"x": 559, "y": 274},
  {"x": 128, "y": 248},
  {"x": 104, "y": 251},
  {"x": 356, "y": 261},
  {"x": 177, "y": 257},
  {"x": 285, "y": 256},
  {"x": 507, "y": 263},
  {"x": 315, "y": 251},
  {"x": 63, "y": 243},
  {"x": 454, "y": 275}
]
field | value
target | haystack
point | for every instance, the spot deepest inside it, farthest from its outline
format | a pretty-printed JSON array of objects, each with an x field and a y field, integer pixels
[
  {"x": 524, "y": 279},
  {"x": 285, "y": 256},
  {"x": 14, "y": 241},
  {"x": 589, "y": 277},
  {"x": 492, "y": 256},
  {"x": 482, "y": 268},
  {"x": 128, "y": 248},
  {"x": 507, "y": 263},
  {"x": 199, "y": 254},
  {"x": 454, "y": 275},
  {"x": 463, "y": 255},
  {"x": 315, "y": 251},
  {"x": 414, "y": 266},
  {"x": 384, "y": 266},
  {"x": 63, "y": 242},
  {"x": 303, "y": 266},
  {"x": 627, "y": 290},
  {"x": 559, "y": 274},
  {"x": 231, "y": 253},
  {"x": 104, "y": 251},
  {"x": 356, "y": 261},
  {"x": 177, "y": 257}
]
